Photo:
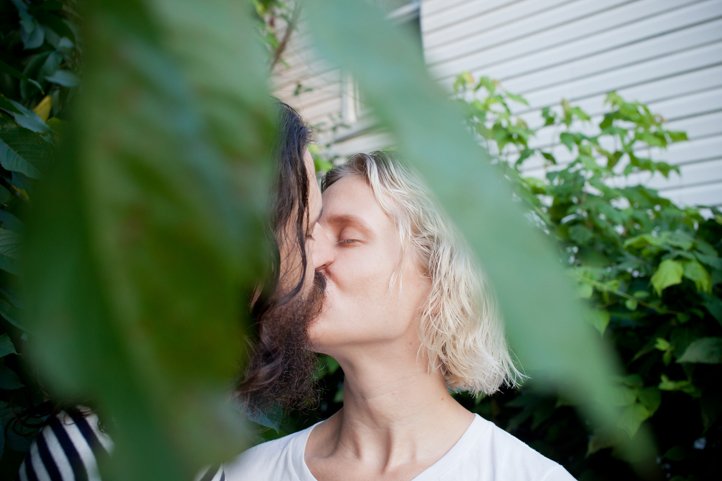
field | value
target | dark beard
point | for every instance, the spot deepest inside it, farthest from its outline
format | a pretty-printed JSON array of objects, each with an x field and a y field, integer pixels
[{"x": 281, "y": 368}]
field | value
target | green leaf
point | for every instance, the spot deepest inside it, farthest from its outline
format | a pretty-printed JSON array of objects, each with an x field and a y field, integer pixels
[
  {"x": 706, "y": 350},
  {"x": 6, "y": 345},
  {"x": 714, "y": 306},
  {"x": 147, "y": 232},
  {"x": 549, "y": 156},
  {"x": 695, "y": 272},
  {"x": 517, "y": 98},
  {"x": 546, "y": 330},
  {"x": 24, "y": 117},
  {"x": 668, "y": 273},
  {"x": 64, "y": 78},
  {"x": 650, "y": 398},
  {"x": 631, "y": 304},
  {"x": 9, "y": 380},
  {"x": 9, "y": 243},
  {"x": 12, "y": 161},
  {"x": 677, "y": 136},
  {"x": 569, "y": 140},
  {"x": 600, "y": 320},
  {"x": 632, "y": 418}
]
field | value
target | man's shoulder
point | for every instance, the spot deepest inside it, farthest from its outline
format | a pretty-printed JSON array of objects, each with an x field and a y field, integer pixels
[{"x": 270, "y": 458}]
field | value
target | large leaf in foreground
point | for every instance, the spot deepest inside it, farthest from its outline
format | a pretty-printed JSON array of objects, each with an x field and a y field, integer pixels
[
  {"x": 144, "y": 232},
  {"x": 545, "y": 323}
]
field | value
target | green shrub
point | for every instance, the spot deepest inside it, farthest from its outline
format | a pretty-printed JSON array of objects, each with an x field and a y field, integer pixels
[
  {"x": 40, "y": 51},
  {"x": 651, "y": 269}
]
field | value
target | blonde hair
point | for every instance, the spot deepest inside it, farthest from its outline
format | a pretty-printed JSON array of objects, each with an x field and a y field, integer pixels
[{"x": 460, "y": 328}]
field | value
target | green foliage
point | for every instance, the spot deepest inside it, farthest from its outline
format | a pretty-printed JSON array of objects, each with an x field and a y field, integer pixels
[
  {"x": 650, "y": 269},
  {"x": 146, "y": 227},
  {"x": 39, "y": 52},
  {"x": 545, "y": 328},
  {"x": 137, "y": 274}
]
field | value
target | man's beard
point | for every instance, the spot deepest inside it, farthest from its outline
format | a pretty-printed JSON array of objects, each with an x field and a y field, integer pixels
[{"x": 282, "y": 367}]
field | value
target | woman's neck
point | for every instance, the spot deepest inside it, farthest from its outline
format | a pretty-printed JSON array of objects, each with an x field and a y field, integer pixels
[{"x": 395, "y": 412}]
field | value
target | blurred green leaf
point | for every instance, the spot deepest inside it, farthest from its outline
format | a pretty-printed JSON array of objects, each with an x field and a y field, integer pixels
[
  {"x": 145, "y": 233},
  {"x": 12, "y": 161},
  {"x": 695, "y": 272},
  {"x": 6, "y": 345},
  {"x": 668, "y": 273},
  {"x": 63, "y": 77},
  {"x": 23, "y": 116},
  {"x": 546, "y": 330},
  {"x": 707, "y": 350}
]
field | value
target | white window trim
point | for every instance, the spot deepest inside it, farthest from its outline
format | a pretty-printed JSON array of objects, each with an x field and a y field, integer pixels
[{"x": 350, "y": 105}]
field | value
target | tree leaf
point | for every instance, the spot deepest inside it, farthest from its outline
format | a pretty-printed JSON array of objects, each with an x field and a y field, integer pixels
[
  {"x": 64, "y": 78},
  {"x": 547, "y": 330},
  {"x": 12, "y": 161},
  {"x": 23, "y": 116},
  {"x": 6, "y": 345},
  {"x": 147, "y": 231},
  {"x": 695, "y": 272},
  {"x": 706, "y": 350},
  {"x": 668, "y": 273}
]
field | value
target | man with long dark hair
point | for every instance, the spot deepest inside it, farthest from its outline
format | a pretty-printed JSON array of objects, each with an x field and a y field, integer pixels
[
  {"x": 280, "y": 371},
  {"x": 72, "y": 442}
]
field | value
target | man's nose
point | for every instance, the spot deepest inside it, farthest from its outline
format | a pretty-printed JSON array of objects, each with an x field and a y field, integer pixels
[{"x": 322, "y": 247}]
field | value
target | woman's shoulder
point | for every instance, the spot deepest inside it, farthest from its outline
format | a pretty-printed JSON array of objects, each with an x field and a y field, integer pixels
[
  {"x": 514, "y": 457},
  {"x": 265, "y": 460}
]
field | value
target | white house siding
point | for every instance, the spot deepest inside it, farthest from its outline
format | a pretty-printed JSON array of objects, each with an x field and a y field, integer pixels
[{"x": 666, "y": 53}]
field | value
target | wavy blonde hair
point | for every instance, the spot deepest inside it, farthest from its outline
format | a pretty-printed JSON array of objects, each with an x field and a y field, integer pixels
[{"x": 460, "y": 327}]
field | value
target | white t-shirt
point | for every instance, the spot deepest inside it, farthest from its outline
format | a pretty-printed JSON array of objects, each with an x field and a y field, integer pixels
[{"x": 483, "y": 453}]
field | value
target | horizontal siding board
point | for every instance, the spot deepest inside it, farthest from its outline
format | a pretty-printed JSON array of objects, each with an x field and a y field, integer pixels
[
  {"x": 487, "y": 14},
  {"x": 662, "y": 36},
  {"x": 707, "y": 194},
  {"x": 698, "y": 173},
  {"x": 674, "y": 88},
  {"x": 627, "y": 22},
  {"x": 699, "y": 114},
  {"x": 365, "y": 142},
  {"x": 678, "y": 154},
  {"x": 632, "y": 75},
  {"x": 681, "y": 42},
  {"x": 434, "y": 7},
  {"x": 665, "y": 53},
  {"x": 473, "y": 40}
]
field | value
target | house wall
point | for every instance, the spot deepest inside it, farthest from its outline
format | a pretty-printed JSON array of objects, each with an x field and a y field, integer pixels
[{"x": 666, "y": 53}]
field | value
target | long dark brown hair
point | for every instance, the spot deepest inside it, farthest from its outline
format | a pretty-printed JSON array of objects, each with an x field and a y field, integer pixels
[{"x": 274, "y": 375}]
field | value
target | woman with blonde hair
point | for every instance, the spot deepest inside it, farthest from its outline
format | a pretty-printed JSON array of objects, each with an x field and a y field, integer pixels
[{"x": 409, "y": 318}]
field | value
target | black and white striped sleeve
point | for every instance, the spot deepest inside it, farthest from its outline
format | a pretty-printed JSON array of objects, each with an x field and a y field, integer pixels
[
  {"x": 68, "y": 448},
  {"x": 214, "y": 473}
]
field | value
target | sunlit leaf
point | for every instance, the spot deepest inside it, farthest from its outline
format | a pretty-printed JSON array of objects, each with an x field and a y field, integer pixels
[
  {"x": 668, "y": 273},
  {"x": 695, "y": 272}
]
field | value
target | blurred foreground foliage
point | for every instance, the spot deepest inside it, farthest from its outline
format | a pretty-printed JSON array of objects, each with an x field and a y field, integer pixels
[
  {"x": 145, "y": 231},
  {"x": 650, "y": 269}
]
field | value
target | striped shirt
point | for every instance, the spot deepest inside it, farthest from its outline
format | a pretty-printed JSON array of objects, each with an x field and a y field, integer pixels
[{"x": 70, "y": 447}]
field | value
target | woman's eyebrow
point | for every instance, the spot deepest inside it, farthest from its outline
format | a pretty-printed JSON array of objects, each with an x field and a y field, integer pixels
[{"x": 348, "y": 220}]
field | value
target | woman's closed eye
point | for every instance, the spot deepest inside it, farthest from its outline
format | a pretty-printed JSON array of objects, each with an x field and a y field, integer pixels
[{"x": 348, "y": 241}]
